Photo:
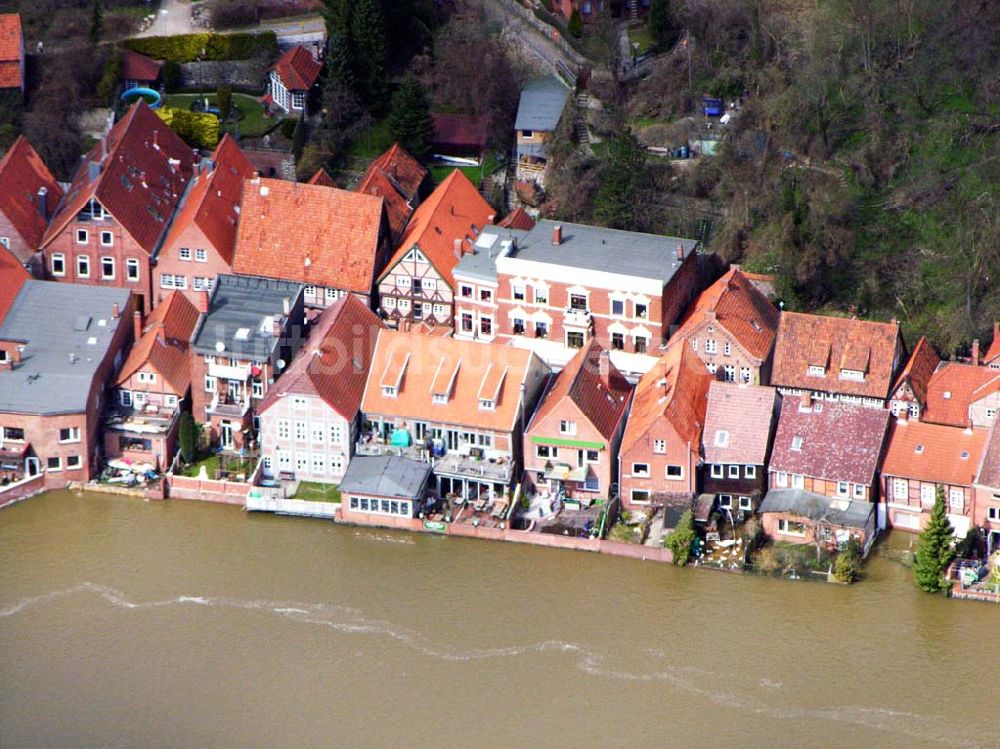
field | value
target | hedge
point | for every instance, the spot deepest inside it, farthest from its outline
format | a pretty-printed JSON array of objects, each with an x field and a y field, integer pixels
[
  {"x": 195, "y": 128},
  {"x": 195, "y": 47}
]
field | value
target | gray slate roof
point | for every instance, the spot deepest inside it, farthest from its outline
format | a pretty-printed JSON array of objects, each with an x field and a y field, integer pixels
[
  {"x": 243, "y": 303},
  {"x": 542, "y": 102},
  {"x": 628, "y": 253},
  {"x": 385, "y": 476},
  {"x": 58, "y": 322},
  {"x": 814, "y": 506},
  {"x": 481, "y": 263}
]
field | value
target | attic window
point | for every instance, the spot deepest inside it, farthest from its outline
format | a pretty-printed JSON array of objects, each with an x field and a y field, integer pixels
[
  {"x": 242, "y": 334},
  {"x": 92, "y": 341},
  {"x": 946, "y": 395},
  {"x": 389, "y": 391},
  {"x": 486, "y": 404},
  {"x": 965, "y": 455},
  {"x": 852, "y": 374},
  {"x": 722, "y": 438},
  {"x": 918, "y": 449},
  {"x": 815, "y": 371},
  {"x": 439, "y": 398},
  {"x": 797, "y": 443}
]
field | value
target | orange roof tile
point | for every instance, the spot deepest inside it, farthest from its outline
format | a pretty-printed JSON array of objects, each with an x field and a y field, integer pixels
[
  {"x": 953, "y": 388},
  {"x": 454, "y": 211},
  {"x": 164, "y": 343},
  {"x": 335, "y": 361},
  {"x": 11, "y": 53},
  {"x": 394, "y": 176},
  {"x": 12, "y": 278},
  {"x": 518, "y": 219},
  {"x": 22, "y": 173},
  {"x": 932, "y": 452},
  {"x": 918, "y": 370},
  {"x": 308, "y": 233},
  {"x": 137, "y": 67},
  {"x": 676, "y": 389},
  {"x": 602, "y": 403},
  {"x": 298, "y": 69},
  {"x": 213, "y": 200},
  {"x": 471, "y": 366},
  {"x": 322, "y": 177},
  {"x": 835, "y": 343},
  {"x": 735, "y": 303},
  {"x": 144, "y": 168},
  {"x": 993, "y": 352}
]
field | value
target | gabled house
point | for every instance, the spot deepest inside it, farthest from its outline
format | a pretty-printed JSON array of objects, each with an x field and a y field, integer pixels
[
  {"x": 992, "y": 356},
  {"x": 798, "y": 516},
  {"x": 397, "y": 178},
  {"x": 139, "y": 71},
  {"x": 417, "y": 284},
  {"x": 837, "y": 358},
  {"x": 986, "y": 497},
  {"x": 11, "y": 52},
  {"x": 962, "y": 395},
  {"x": 459, "y": 405},
  {"x": 833, "y": 449},
  {"x": 660, "y": 450},
  {"x": 909, "y": 394},
  {"x": 59, "y": 346},
  {"x": 732, "y": 327},
  {"x": 332, "y": 241},
  {"x": 921, "y": 457},
  {"x": 202, "y": 237},
  {"x": 109, "y": 226},
  {"x": 571, "y": 443},
  {"x": 736, "y": 443},
  {"x": 28, "y": 196},
  {"x": 323, "y": 178},
  {"x": 309, "y": 419},
  {"x": 539, "y": 110},
  {"x": 153, "y": 385},
  {"x": 250, "y": 328},
  {"x": 292, "y": 77}
]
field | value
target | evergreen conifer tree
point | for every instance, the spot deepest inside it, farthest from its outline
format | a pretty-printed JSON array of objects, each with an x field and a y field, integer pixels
[
  {"x": 410, "y": 119},
  {"x": 617, "y": 200},
  {"x": 369, "y": 53},
  {"x": 934, "y": 550}
]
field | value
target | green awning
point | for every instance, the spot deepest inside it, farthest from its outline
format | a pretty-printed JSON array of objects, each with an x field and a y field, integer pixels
[{"x": 562, "y": 442}]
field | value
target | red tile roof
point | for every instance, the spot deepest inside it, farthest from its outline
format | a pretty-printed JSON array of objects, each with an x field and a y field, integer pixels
[
  {"x": 839, "y": 441},
  {"x": 136, "y": 67},
  {"x": 464, "y": 131},
  {"x": 734, "y": 303},
  {"x": 394, "y": 176},
  {"x": 213, "y": 199},
  {"x": 738, "y": 423},
  {"x": 454, "y": 211},
  {"x": 518, "y": 219},
  {"x": 989, "y": 471},
  {"x": 601, "y": 402},
  {"x": 676, "y": 389},
  {"x": 334, "y": 362},
  {"x": 308, "y": 233},
  {"x": 322, "y": 177},
  {"x": 953, "y": 388},
  {"x": 142, "y": 176},
  {"x": 993, "y": 352},
  {"x": 164, "y": 343},
  {"x": 932, "y": 452},
  {"x": 918, "y": 370},
  {"x": 470, "y": 365},
  {"x": 298, "y": 69},
  {"x": 835, "y": 343},
  {"x": 12, "y": 278},
  {"x": 22, "y": 173},
  {"x": 10, "y": 50}
]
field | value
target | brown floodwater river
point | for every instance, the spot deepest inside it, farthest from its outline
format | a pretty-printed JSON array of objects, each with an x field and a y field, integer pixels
[{"x": 180, "y": 624}]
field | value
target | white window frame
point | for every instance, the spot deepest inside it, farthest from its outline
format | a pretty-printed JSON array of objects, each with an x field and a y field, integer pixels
[
  {"x": 711, "y": 346},
  {"x": 60, "y": 258},
  {"x": 900, "y": 489},
  {"x": 184, "y": 253},
  {"x": 733, "y": 471},
  {"x": 82, "y": 236},
  {"x": 107, "y": 238},
  {"x": 956, "y": 498},
  {"x": 201, "y": 255},
  {"x": 567, "y": 427},
  {"x": 750, "y": 471},
  {"x": 131, "y": 269},
  {"x": 678, "y": 477},
  {"x": 785, "y": 530},
  {"x": 125, "y": 397},
  {"x": 660, "y": 446},
  {"x": 781, "y": 479},
  {"x": 718, "y": 471},
  {"x": 74, "y": 462},
  {"x": 746, "y": 504},
  {"x": 211, "y": 384},
  {"x": 107, "y": 276},
  {"x": 85, "y": 261},
  {"x": 640, "y": 470},
  {"x": 74, "y": 435}
]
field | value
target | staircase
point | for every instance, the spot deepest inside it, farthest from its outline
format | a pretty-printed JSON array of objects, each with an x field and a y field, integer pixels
[
  {"x": 633, "y": 9},
  {"x": 580, "y": 131}
]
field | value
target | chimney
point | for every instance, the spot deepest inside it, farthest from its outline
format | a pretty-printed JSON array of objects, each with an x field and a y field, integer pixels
[
  {"x": 975, "y": 353},
  {"x": 286, "y": 306},
  {"x": 72, "y": 358},
  {"x": 255, "y": 178},
  {"x": 137, "y": 325},
  {"x": 203, "y": 302},
  {"x": 557, "y": 234},
  {"x": 806, "y": 401},
  {"x": 116, "y": 311},
  {"x": 491, "y": 218},
  {"x": 458, "y": 248},
  {"x": 604, "y": 367},
  {"x": 903, "y": 416},
  {"x": 43, "y": 202},
  {"x": 679, "y": 252},
  {"x": 17, "y": 354},
  {"x": 276, "y": 328}
]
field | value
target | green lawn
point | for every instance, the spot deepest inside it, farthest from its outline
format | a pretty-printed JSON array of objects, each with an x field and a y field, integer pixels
[
  {"x": 252, "y": 124},
  {"x": 372, "y": 142},
  {"x": 212, "y": 463},
  {"x": 317, "y": 492},
  {"x": 639, "y": 35},
  {"x": 474, "y": 173}
]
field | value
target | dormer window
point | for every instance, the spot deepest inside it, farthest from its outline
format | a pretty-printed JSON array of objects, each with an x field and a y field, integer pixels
[
  {"x": 852, "y": 374},
  {"x": 389, "y": 391},
  {"x": 815, "y": 371},
  {"x": 722, "y": 438},
  {"x": 797, "y": 444},
  {"x": 439, "y": 398},
  {"x": 485, "y": 404},
  {"x": 946, "y": 395}
]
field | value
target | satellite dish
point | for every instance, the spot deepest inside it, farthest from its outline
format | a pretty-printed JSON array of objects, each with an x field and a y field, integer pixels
[
  {"x": 220, "y": 346},
  {"x": 281, "y": 364}
]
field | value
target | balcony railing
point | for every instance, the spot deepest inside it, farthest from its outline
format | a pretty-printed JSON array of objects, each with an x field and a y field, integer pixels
[
  {"x": 499, "y": 469},
  {"x": 224, "y": 405},
  {"x": 239, "y": 372},
  {"x": 578, "y": 317}
]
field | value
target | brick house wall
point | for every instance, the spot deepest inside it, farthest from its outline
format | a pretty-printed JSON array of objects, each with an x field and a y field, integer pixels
[
  {"x": 986, "y": 513},
  {"x": 196, "y": 273},
  {"x": 771, "y": 523},
  {"x": 909, "y": 501},
  {"x": 304, "y": 435},
  {"x": 725, "y": 357},
  {"x": 826, "y": 487},
  {"x": 655, "y": 483},
  {"x": 15, "y": 241}
]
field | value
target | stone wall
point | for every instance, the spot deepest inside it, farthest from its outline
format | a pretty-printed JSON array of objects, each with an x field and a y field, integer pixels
[{"x": 211, "y": 74}]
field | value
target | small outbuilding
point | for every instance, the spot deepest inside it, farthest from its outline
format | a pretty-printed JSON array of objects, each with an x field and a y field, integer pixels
[{"x": 384, "y": 486}]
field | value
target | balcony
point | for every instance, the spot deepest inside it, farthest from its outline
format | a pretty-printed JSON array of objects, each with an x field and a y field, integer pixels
[
  {"x": 464, "y": 462},
  {"x": 226, "y": 405},
  {"x": 240, "y": 372},
  {"x": 578, "y": 318}
]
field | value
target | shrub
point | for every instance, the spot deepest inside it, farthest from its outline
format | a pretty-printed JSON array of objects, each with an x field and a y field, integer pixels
[
  {"x": 288, "y": 126},
  {"x": 224, "y": 97},
  {"x": 847, "y": 567},
  {"x": 196, "y": 129},
  {"x": 192, "y": 47},
  {"x": 575, "y": 25},
  {"x": 187, "y": 437},
  {"x": 228, "y": 14},
  {"x": 171, "y": 76},
  {"x": 109, "y": 79},
  {"x": 681, "y": 540}
]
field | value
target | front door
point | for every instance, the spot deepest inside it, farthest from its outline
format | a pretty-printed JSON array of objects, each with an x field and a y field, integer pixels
[
  {"x": 233, "y": 390},
  {"x": 227, "y": 435},
  {"x": 32, "y": 466}
]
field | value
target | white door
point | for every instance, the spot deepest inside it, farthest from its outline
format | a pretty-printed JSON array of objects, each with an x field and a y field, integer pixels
[{"x": 227, "y": 435}]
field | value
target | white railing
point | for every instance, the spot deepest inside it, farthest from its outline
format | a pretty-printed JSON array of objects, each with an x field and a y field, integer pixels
[
  {"x": 578, "y": 317},
  {"x": 259, "y": 502},
  {"x": 239, "y": 372}
]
